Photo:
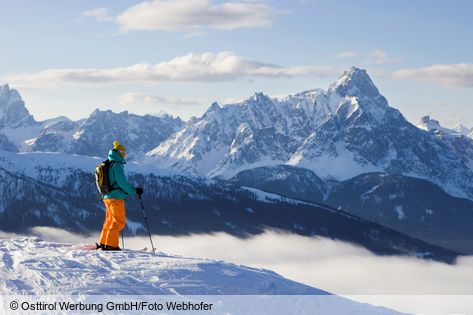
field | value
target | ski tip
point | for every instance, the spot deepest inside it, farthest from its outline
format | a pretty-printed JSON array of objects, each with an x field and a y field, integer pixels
[{"x": 85, "y": 247}]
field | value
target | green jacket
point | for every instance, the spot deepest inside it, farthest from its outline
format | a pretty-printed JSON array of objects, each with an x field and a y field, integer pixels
[{"x": 116, "y": 175}]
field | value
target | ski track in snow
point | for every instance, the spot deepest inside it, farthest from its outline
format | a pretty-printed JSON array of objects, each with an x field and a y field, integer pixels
[{"x": 29, "y": 265}]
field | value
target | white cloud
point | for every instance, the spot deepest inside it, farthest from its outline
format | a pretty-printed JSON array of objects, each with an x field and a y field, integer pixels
[
  {"x": 100, "y": 14},
  {"x": 131, "y": 98},
  {"x": 347, "y": 54},
  {"x": 376, "y": 56},
  {"x": 446, "y": 74},
  {"x": 206, "y": 67},
  {"x": 380, "y": 57},
  {"x": 196, "y": 15}
]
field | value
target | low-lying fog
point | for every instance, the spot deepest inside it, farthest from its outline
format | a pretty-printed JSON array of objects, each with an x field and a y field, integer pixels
[{"x": 403, "y": 283}]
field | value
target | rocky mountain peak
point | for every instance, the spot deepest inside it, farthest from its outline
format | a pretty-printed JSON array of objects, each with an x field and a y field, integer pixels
[
  {"x": 214, "y": 107},
  {"x": 12, "y": 107},
  {"x": 428, "y": 124},
  {"x": 259, "y": 97},
  {"x": 354, "y": 82}
]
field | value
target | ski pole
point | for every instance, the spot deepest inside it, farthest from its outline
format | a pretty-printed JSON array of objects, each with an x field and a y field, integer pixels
[
  {"x": 123, "y": 241},
  {"x": 146, "y": 221}
]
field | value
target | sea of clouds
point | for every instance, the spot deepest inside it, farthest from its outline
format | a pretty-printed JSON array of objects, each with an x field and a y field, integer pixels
[{"x": 403, "y": 283}]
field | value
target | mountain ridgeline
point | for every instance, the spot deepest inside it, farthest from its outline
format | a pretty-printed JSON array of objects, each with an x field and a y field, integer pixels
[
  {"x": 344, "y": 147},
  {"x": 339, "y": 133},
  {"x": 20, "y": 132}
]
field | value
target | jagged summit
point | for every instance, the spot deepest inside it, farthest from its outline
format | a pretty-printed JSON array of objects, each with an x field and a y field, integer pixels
[
  {"x": 428, "y": 124},
  {"x": 455, "y": 139},
  {"x": 258, "y": 97},
  {"x": 214, "y": 107},
  {"x": 91, "y": 136},
  {"x": 12, "y": 107},
  {"x": 8, "y": 95},
  {"x": 354, "y": 82}
]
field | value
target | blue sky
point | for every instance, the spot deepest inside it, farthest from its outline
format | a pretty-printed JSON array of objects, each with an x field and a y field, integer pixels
[{"x": 70, "y": 57}]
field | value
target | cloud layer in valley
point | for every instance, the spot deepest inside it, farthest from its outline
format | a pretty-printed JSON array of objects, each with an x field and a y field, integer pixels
[{"x": 331, "y": 265}]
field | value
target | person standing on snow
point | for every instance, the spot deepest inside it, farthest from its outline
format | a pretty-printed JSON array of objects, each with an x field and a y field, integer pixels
[{"x": 115, "y": 200}]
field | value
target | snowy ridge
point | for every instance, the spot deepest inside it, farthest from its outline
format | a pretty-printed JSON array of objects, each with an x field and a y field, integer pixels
[
  {"x": 271, "y": 198},
  {"x": 459, "y": 140},
  {"x": 32, "y": 266},
  {"x": 62, "y": 272},
  {"x": 428, "y": 124}
]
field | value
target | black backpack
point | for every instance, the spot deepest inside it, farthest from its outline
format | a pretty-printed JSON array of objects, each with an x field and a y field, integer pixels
[{"x": 102, "y": 179}]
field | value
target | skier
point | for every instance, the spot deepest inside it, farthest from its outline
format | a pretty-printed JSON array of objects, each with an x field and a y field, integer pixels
[{"x": 115, "y": 200}]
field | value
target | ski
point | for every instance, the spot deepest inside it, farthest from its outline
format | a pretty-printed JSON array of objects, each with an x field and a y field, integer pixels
[{"x": 85, "y": 247}]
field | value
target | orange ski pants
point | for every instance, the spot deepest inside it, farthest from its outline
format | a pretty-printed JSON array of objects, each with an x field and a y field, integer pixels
[{"x": 114, "y": 221}]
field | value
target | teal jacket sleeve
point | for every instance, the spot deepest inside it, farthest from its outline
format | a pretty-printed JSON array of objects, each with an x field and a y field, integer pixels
[{"x": 119, "y": 172}]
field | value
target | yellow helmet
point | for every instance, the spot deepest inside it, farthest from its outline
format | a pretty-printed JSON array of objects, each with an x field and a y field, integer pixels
[{"x": 119, "y": 148}]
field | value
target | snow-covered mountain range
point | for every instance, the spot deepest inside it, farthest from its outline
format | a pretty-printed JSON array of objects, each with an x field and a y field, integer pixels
[
  {"x": 344, "y": 131},
  {"x": 20, "y": 132}
]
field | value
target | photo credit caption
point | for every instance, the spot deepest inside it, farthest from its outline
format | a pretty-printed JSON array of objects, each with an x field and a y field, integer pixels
[{"x": 110, "y": 306}]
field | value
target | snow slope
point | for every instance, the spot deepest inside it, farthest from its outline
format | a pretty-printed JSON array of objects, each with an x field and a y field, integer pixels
[{"x": 31, "y": 266}]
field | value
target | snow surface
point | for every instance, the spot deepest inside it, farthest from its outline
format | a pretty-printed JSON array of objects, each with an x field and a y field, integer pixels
[
  {"x": 270, "y": 197},
  {"x": 32, "y": 269},
  {"x": 30, "y": 265},
  {"x": 341, "y": 166}
]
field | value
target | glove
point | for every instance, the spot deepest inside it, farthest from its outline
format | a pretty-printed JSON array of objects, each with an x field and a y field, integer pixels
[{"x": 139, "y": 191}]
